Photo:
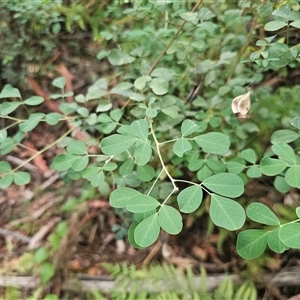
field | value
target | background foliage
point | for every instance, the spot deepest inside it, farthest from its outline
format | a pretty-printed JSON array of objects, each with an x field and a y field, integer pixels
[{"x": 155, "y": 149}]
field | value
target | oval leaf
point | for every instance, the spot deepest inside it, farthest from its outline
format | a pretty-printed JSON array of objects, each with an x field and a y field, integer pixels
[
  {"x": 116, "y": 144},
  {"x": 181, "y": 146},
  {"x": 213, "y": 142},
  {"x": 188, "y": 127},
  {"x": 284, "y": 135},
  {"x": 284, "y": 151},
  {"x": 252, "y": 243},
  {"x": 141, "y": 203},
  {"x": 146, "y": 233},
  {"x": 159, "y": 86},
  {"x": 289, "y": 235},
  {"x": 225, "y": 184},
  {"x": 190, "y": 199},
  {"x": 260, "y": 213},
  {"x": 275, "y": 243},
  {"x": 170, "y": 219},
  {"x": 272, "y": 166},
  {"x": 226, "y": 213},
  {"x": 292, "y": 176},
  {"x": 142, "y": 154},
  {"x": 119, "y": 197},
  {"x": 140, "y": 129}
]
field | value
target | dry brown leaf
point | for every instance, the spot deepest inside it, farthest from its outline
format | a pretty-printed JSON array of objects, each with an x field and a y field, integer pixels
[{"x": 241, "y": 105}]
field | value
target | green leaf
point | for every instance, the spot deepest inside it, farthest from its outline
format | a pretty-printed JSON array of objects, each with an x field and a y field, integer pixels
[
  {"x": 34, "y": 100},
  {"x": 275, "y": 25},
  {"x": 163, "y": 73},
  {"x": 118, "y": 58},
  {"x": 145, "y": 173},
  {"x": 249, "y": 155},
  {"x": 289, "y": 235},
  {"x": 96, "y": 93},
  {"x": 63, "y": 162},
  {"x": 265, "y": 10},
  {"x": 170, "y": 111},
  {"x": 127, "y": 167},
  {"x": 140, "y": 129},
  {"x": 116, "y": 144},
  {"x": 284, "y": 135},
  {"x": 59, "y": 82},
  {"x": 141, "y": 203},
  {"x": 8, "y": 145},
  {"x": 21, "y": 178},
  {"x": 292, "y": 176},
  {"x": 225, "y": 184},
  {"x": 216, "y": 165},
  {"x": 68, "y": 107},
  {"x": 181, "y": 146},
  {"x": 97, "y": 180},
  {"x": 104, "y": 105},
  {"x": 235, "y": 165},
  {"x": 136, "y": 97},
  {"x": 10, "y": 92},
  {"x": 275, "y": 243},
  {"x": 252, "y": 243},
  {"x": 6, "y": 180},
  {"x": 32, "y": 122},
  {"x": 298, "y": 212},
  {"x": 213, "y": 142},
  {"x": 90, "y": 172},
  {"x": 80, "y": 163},
  {"x": 140, "y": 83},
  {"x": 47, "y": 271},
  {"x": 253, "y": 172},
  {"x": 260, "y": 213},
  {"x": 77, "y": 148},
  {"x": 272, "y": 166},
  {"x": 3, "y": 135},
  {"x": 142, "y": 153},
  {"x": 41, "y": 255},
  {"x": 226, "y": 213},
  {"x": 139, "y": 217},
  {"x": 190, "y": 198},
  {"x": 281, "y": 185},
  {"x": 83, "y": 111},
  {"x": 53, "y": 118},
  {"x": 284, "y": 151},
  {"x": 159, "y": 86},
  {"x": 119, "y": 197},
  {"x": 5, "y": 167},
  {"x": 131, "y": 235},
  {"x": 8, "y": 107},
  {"x": 189, "y": 16},
  {"x": 195, "y": 164},
  {"x": 151, "y": 112},
  {"x": 146, "y": 232},
  {"x": 296, "y": 122},
  {"x": 295, "y": 24},
  {"x": 170, "y": 219},
  {"x": 204, "y": 173},
  {"x": 188, "y": 127},
  {"x": 116, "y": 114}
]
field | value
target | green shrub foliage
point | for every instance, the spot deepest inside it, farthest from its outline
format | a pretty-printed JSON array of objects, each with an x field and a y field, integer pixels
[{"x": 159, "y": 155}]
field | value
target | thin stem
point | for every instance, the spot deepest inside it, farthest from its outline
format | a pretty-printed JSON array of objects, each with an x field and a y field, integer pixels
[
  {"x": 153, "y": 185},
  {"x": 172, "y": 40},
  {"x": 161, "y": 159},
  {"x": 43, "y": 150}
]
